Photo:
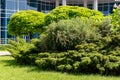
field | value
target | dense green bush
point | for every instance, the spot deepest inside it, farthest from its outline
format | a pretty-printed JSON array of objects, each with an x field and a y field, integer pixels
[
  {"x": 105, "y": 27},
  {"x": 66, "y": 34},
  {"x": 115, "y": 19},
  {"x": 94, "y": 55},
  {"x": 75, "y": 62},
  {"x": 22, "y": 51},
  {"x": 68, "y": 12},
  {"x": 87, "y": 47}
]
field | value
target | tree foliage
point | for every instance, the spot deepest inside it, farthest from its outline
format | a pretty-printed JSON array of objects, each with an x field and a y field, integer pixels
[
  {"x": 22, "y": 51},
  {"x": 66, "y": 34},
  {"x": 26, "y": 22},
  {"x": 68, "y": 12},
  {"x": 116, "y": 19}
]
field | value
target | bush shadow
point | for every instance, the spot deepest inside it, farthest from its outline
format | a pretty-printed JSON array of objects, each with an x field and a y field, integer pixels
[{"x": 13, "y": 64}]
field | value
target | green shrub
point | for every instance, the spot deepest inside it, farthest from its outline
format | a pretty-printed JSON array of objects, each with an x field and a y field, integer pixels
[
  {"x": 105, "y": 28},
  {"x": 115, "y": 19},
  {"x": 100, "y": 55},
  {"x": 66, "y": 34},
  {"x": 22, "y": 51},
  {"x": 87, "y": 47},
  {"x": 61, "y": 67},
  {"x": 68, "y": 12},
  {"x": 86, "y": 63}
]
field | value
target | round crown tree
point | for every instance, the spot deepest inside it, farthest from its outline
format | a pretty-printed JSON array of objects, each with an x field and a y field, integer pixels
[
  {"x": 26, "y": 22},
  {"x": 68, "y": 12}
]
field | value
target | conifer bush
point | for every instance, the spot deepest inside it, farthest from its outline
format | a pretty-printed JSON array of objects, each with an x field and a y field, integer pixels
[
  {"x": 95, "y": 55},
  {"x": 66, "y": 34},
  {"x": 75, "y": 62},
  {"x": 22, "y": 51}
]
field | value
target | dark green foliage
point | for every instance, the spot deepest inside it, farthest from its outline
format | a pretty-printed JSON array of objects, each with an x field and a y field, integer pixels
[
  {"x": 94, "y": 55},
  {"x": 105, "y": 27},
  {"x": 22, "y": 51},
  {"x": 75, "y": 62},
  {"x": 87, "y": 47},
  {"x": 66, "y": 34},
  {"x": 68, "y": 12}
]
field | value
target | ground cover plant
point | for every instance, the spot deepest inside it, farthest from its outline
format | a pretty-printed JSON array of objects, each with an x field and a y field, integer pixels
[{"x": 11, "y": 70}]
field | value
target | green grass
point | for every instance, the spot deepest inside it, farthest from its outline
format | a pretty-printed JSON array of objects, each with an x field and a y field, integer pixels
[{"x": 10, "y": 70}]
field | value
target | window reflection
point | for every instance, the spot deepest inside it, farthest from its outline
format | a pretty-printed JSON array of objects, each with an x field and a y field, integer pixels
[
  {"x": 45, "y": 6},
  {"x": 2, "y": 34},
  {"x": 2, "y": 22},
  {"x": 2, "y": 4},
  {"x": 10, "y": 5},
  {"x": 22, "y": 5}
]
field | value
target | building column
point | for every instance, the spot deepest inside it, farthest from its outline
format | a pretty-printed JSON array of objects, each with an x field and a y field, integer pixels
[
  {"x": 85, "y": 3},
  {"x": 95, "y": 4},
  {"x": 56, "y": 3},
  {"x": 64, "y": 2}
]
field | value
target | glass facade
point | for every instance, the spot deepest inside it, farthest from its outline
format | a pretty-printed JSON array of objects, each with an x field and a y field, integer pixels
[
  {"x": 9, "y": 7},
  {"x": 45, "y": 6},
  {"x": 104, "y": 7}
]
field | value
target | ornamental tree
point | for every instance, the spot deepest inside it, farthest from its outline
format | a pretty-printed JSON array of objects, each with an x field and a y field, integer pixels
[
  {"x": 68, "y": 12},
  {"x": 116, "y": 19},
  {"x": 26, "y": 22}
]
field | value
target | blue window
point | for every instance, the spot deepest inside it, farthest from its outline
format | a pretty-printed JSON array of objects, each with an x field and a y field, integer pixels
[
  {"x": 3, "y": 4},
  {"x": 3, "y": 22},
  {"x": 10, "y": 5},
  {"x": 33, "y": 1},
  {"x": 22, "y": 5},
  {"x": 3, "y": 34},
  {"x": 2, "y": 28},
  {"x": 33, "y": 4}
]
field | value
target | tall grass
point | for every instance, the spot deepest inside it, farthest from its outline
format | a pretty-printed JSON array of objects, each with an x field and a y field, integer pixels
[{"x": 10, "y": 70}]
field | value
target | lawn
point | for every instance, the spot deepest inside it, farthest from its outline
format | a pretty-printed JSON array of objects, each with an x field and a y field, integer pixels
[{"x": 10, "y": 70}]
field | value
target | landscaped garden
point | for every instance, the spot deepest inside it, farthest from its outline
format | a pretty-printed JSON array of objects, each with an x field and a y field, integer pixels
[{"x": 73, "y": 40}]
